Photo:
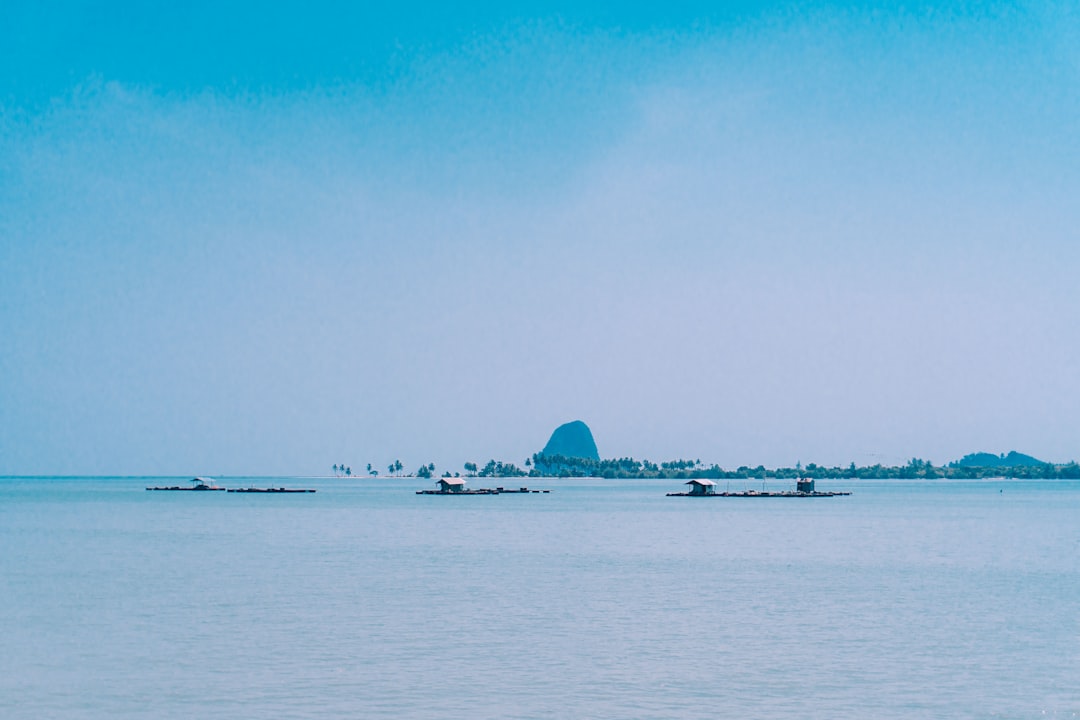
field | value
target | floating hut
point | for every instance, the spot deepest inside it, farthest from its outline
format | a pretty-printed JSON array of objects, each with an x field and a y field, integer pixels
[
  {"x": 199, "y": 483},
  {"x": 451, "y": 485},
  {"x": 702, "y": 487},
  {"x": 804, "y": 485},
  {"x": 455, "y": 486}
]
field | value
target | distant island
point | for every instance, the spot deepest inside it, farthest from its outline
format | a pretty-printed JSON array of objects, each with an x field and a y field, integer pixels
[
  {"x": 988, "y": 460},
  {"x": 571, "y": 451}
]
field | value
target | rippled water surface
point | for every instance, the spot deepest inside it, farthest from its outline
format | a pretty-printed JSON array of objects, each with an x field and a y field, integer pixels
[{"x": 602, "y": 599}]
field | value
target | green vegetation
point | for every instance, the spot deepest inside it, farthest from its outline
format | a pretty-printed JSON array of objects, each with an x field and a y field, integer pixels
[
  {"x": 501, "y": 469},
  {"x": 560, "y": 466},
  {"x": 982, "y": 459},
  {"x": 974, "y": 466}
]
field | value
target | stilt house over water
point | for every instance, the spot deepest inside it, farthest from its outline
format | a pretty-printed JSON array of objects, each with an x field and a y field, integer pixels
[
  {"x": 702, "y": 487},
  {"x": 453, "y": 485}
]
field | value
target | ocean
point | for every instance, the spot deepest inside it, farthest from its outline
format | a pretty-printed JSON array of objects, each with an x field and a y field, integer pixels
[{"x": 602, "y": 599}]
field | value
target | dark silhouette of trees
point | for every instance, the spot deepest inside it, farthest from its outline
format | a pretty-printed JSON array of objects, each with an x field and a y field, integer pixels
[
  {"x": 916, "y": 468},
  {"x": 500, "y": 469}
]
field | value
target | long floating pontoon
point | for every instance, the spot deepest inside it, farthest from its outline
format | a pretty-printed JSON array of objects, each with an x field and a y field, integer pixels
[
  {"x": 456, "y": 486},
  {"x": 198, "y": 484},
  {"x": 707, "y": 488},
  {"x": 754, "y": 493},
  {"x": 203, "y": 484}
]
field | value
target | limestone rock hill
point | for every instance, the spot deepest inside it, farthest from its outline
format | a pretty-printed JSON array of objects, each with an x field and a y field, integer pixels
[{"x": 572, "y": 440}]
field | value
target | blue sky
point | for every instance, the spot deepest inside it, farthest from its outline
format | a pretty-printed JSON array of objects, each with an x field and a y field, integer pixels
[{"x": 269, "y": 238}]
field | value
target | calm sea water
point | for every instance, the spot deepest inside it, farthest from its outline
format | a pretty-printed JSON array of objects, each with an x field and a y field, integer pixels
[{"x": 603, "y": 599}]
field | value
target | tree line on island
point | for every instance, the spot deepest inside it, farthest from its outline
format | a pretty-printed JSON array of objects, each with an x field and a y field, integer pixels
[
  {"x": 571, "y": 452},
  {"x": 916, "y": 468},
  {"x": 980, "y": 465},
  {"x": 344, "y": 470}
]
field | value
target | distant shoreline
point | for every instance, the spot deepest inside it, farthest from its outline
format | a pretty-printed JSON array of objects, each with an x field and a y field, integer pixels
[{"x": 558, "y": 467}]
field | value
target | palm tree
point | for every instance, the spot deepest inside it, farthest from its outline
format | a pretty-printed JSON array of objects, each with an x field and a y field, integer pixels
[{"x": 335, "y": 468}]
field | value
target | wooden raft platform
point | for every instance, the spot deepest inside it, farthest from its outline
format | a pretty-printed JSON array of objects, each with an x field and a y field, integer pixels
[
  {"x": 756, "y": 494},
  {"x": 482, "y": 491}
]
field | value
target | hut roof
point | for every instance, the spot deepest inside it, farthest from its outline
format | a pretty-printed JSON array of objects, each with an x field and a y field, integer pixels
[
  {"x": 451, "y": 481},
  {"x": 700, "y": 482}
]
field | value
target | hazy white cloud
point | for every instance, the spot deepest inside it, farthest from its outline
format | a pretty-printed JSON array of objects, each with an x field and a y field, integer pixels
[{"x": 825, "y": 239}]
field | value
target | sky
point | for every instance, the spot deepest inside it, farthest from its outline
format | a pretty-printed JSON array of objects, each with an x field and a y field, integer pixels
[{"x": 266, "y": 238}]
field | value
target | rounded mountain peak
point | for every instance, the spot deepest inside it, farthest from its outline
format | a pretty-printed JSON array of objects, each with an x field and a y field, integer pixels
[{"x": 572, "y": 440}]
